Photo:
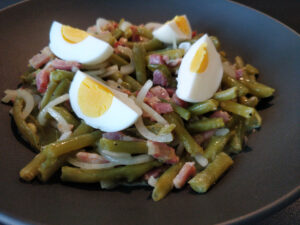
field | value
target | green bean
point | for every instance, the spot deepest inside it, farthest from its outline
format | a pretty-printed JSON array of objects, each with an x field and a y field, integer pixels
[
  {"x": 258, "y": 89},
  {"x": 134, "y": 84},
  {"x": 203, "y": 180},
  {"x": 130, "y": 173},
  {"x": 164, "y": 183},
  {"x": 128, "y": 33},
  {"x": 163, "y": 69},
  {"x": 253, "y": 122},
  {"x": 30, "y": 171},
  {"x": 139, "y": 54},
  {"x": 239, "y": 62},
  {"x": 237, "y": 108},
  {"x": 227, "y": 94},
  {"x": 142, "y": 31},
  {"x": 206, "y": 124},
  {"x": 117, "y": 33},
  {"x": 251, "y": 69},
  {"x": 216, "y": 145},
  {"x": 116, "y": 59},
  {"x": 132, "y": 147},
  {"x": 62, "y": 88},
  {"x": 59, "y": 148},
  {"x": 82, "y": 129},
  {"x": 251, "y": 102},
  {"x": 26, "y": 132},
  {"x": 171, "y": 53},
  {"x": 184, "y": 136},
  {"x": 49, "y": 167},
  {"x": 161, "y": 129},
  {"x": 29, "y": 76},
  {"x": 215, "y": 41},
  {"x": 204, "y": 107},
  {"x": 153, "y": 44},
  {"x": 182, "y": 112},
  {"x": 58, "y": 75},
  {"x": 231, "y": 82},
  {"x": 236, "y": 143},
  {"x": 47, "y": 96},
  {"x": 66, "y": 115}
]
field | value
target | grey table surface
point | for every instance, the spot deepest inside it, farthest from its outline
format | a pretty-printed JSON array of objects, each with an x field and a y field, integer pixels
[{"x": 287, "y": 12}]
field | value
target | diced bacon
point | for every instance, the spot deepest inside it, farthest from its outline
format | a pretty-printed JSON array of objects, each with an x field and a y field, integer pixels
[
  {"x": 171, "y": 91},
  {"x": 135, "y": 37},
  {"x": 194, "y": 33},
  {"x": 179, "y": 101},
  {"x": 156, "y": 59},
  {"x": 151, "y": 100},
  {"x": 160, "y": 92},
  {"x": 239, "y": 73},
  {"x": 171, "y": 62},
  {"x": 41, "y": 59},
  {"x": 221, "y": 114},
  {"x": 42, "y": 78},
  {"x": 187, "y": 171},
  {"x": 90, "y": 157},
  {"x": 162, "y": 152},
  {"x": 155, "y": 172},
  {"x": 162, "y": 107},
  {"x": 159, "y": 78},
  {"x": 122, "y": 42},
  {"x": 65, "y": 65}
]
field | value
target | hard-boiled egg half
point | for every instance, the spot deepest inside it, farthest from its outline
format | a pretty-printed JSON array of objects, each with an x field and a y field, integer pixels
[
  {"x": 177, "y": 29},
  {"x": 72, "y": 44},
  {"x": 100, "y": 106},
  {"x": 200, "y": 72}
]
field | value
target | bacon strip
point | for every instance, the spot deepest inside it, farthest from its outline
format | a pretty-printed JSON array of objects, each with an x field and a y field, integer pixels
[
  {"x": 65, "y": 65},
  {"x": 156, "y": 59},
  {"x": 159, "y": 78},
  {"x": 162, "y": 152},
  {"x": 187, "y": 171},
  {"x": 162, "y": 107},
  {"x": 41, "y": 59},
  {"x": 42, "y": 78}
]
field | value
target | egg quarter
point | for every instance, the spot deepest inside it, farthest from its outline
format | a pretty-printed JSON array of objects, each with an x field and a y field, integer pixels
[{"x": 77, "y": 45}]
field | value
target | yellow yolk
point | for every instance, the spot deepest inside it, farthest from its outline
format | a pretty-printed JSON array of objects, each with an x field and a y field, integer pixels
[
  {"x": 93, "y": 98},
  {"x": 73, "y": 35},
  {"x": 182, "y": 24},
  {"x": 200, "y": 60}
]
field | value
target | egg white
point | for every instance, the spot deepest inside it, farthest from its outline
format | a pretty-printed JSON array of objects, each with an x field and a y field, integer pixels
[
  {"x": 88, "y": 51},
  {"x": 122, "y": 113},
  {"x": 194, "y": 87}
]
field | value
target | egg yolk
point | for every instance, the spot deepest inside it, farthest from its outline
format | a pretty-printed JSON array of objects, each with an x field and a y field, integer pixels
[
  {"x": 182, "y": 24},
  {"x": 93, "y": 98},
  {"x": 200, "y": 60},
  {"x": 73, "y": 35}
]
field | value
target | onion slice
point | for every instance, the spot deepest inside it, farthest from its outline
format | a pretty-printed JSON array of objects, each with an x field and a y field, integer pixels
[
  {"x": 90, "y": 166},
  {"x": 127, "y": 69},
  {"x": 143, "y": 92},
  {"x": 201, "y": 160},
  {"x": 42, "y": 115},
  {"x": 29, "y": 102},
  {"x": 229, "y": 69},
  {"x": 132, "y": 160}
]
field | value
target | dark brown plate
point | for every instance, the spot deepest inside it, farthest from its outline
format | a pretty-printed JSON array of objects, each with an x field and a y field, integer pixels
[{"x": 264, "y": 178}]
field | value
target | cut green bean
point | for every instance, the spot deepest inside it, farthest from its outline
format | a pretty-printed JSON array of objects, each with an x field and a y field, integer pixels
[
  {"x": 66, "y": 115},
  {"x": 26, "y": 132},
  {"x": 153, "y": 44},
  {"x": 204, "y": 107},
  {"x": 47, "y": 96},
  {"x": 231, "y": 82},
  {"x": 236, "y": 143},
  {"x": 134, "y": 84},
  {"x": 258, "y": 89},
  {"x": 251, "y": 69},
  {"x": 237, "y": 108},
  {"x": 206, "y": 178},
  {"x": 253, "y": 122},
  {"x": 227, "y": 94},
  {"x": 216, "y": 145},
  {"x": 62, "y": 88},
  {"x": 184, "y": 136},
  {"x": 171, "y": 53},
  {"x": 30, "y": 171},
  {"x": 164, "y": 183},
  {"x": 59, "y": 148},
  {"x": 58, "y": 75},
  {"x": 129, "y": 173},
  {"x": 132, "y": 147},
  {"x": 49, "y": 167},
  {"x": 182, "y": 112},
  {"x": 116, "y": 59},
  {"x": 117, "y": 33},
  {"x": 142, "y": 31},
  {"x": 83, "y": 128},
  {"x": 239, "y": 62},
  {"x": 251, "y": 102},
  {"x": 139, "y": 55},
  {"x": 215, "y": 41},
  {"x": 206, "y": 124}
]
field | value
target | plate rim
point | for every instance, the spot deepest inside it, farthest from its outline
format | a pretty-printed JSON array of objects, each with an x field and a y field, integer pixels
[{"x": 254, "y": 216}]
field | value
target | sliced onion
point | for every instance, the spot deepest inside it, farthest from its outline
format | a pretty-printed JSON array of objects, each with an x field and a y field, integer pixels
[
  {"x": 100, "y": 23},
  {"x": 143, "y": 130},
  {"x": 96, "y": 72},
  {"x": 155, "y": 115},
  {"x": 132, "y": 160},
  {"x": 10, "y": 95},
  {"x": 222, "y": 131},
  {"x": 43, "y": 113},
  {"x": 90, "y": 166},
  {"x": 152, "y": 181},
  {"x": 62, "y": 124},
  {"x": 124, "y": 25},
  {"x": 127, "y": 69},
  {"x": 152, "y": 26},
  {"x": 201, "y": 160},
  {"x": 115, "y": 154},
  {"x": 29, "y": 102},
  {"x": 143, "y": 92},
  {"x": 229, "y": 69},
  {"x": 65, "y": 135},
  {"x": 110, "y": 70}
]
